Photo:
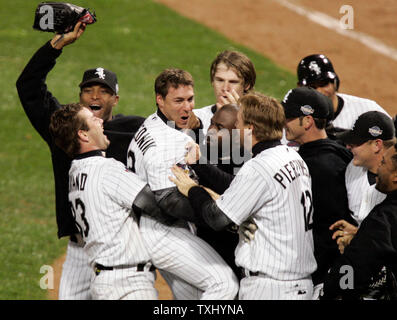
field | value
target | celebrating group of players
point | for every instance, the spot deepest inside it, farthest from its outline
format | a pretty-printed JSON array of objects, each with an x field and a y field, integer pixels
[{"x": 248, "y": 198}]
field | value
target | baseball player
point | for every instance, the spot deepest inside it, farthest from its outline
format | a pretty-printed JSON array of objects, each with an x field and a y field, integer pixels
[
  {"x": 317, "y": 71},
  {"x": 99, "y": 92},
  {"x": 275, "y": 189},
  {"x": 373, "y": 246},
  {"x": 102, "y": 194},
  {"x": 307, "y": 111},
  {"x": 372, "y": 134},
  {"x": 222, "y": 146},
  {"x": 191, "y": 267},
  {"x": 232, "y": 75}
]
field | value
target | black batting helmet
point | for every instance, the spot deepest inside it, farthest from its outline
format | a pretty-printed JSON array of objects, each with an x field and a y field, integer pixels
[{"x": 315, "y": 71}]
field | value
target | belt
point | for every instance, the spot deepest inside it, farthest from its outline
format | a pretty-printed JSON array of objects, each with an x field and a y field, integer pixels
[{"x": 140, "y": 267}]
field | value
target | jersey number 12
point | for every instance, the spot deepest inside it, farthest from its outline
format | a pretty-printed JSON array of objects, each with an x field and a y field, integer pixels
[{"x": 307, "y": 203}]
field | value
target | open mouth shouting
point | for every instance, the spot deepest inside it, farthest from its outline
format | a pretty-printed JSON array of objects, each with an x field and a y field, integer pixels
[
  {"x": 184, "y": 121},
  {"x": 95, "y": 107}
]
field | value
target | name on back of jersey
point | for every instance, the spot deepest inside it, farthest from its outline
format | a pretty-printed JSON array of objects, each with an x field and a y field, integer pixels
[
  {"x": 144, "y": 140},
  {"x": 77, "y": 183},
  {"x": 291, "y": 171}
]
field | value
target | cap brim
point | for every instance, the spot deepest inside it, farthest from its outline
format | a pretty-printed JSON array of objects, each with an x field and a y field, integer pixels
[
  {"x": 91, "y": 81},
  {"x": 348, "y": 137}
]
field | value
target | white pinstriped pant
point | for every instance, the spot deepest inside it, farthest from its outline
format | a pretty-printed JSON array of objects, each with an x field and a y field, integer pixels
[
  {"x": 124, "y": 284},
  {"x": 185, "y": 256},
  {"x": 262, "y": 288},
  {"x": 79, "y": 282},
  {"x": 76, "y": 275}
]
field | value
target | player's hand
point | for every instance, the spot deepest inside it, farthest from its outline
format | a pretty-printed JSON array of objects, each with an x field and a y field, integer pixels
[
  {"x": 247, "y": 230},
  {"x": 344, "y": 234},
  {"x": 342, "y": 228},
  {"x": 182, "y": 180},
  {"x": 193, "y": 152},
  {"x": 61, "y": 40},
  {"x": 343, "y": 242},
  {"x": 231, "y": 97}
]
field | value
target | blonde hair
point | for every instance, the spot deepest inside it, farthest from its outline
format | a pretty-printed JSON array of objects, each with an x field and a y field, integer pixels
[
  {"x": 265, "y": 114},
  {"x": 240, "y": 63}
]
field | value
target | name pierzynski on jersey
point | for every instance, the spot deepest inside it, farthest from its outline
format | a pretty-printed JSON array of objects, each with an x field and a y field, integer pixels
[
  {"x": 144, "y": 140},
  {"x": 290, "y": 171}
]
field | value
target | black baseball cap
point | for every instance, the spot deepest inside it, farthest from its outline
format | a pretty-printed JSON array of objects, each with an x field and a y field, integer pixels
[
  {"x": 306, "y": 101},
  {"x": 370, "y": 125},
  {"x": 100, "y": 75}
]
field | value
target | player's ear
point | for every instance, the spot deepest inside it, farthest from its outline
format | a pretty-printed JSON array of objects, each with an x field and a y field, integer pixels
[
  {"x": 247, "y": 88},
  {"x": 116, "y": 101},
  {"x": 83, "y": 136},
  {"x": 378, "y": 145},
  {"x": 308, "y": 122},
  {"x": 159, "y": 101}
]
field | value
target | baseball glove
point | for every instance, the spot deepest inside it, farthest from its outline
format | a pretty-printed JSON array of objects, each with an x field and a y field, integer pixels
[
  {"x": 60, "y": 17},
  {"x": 383, "y": 286}
]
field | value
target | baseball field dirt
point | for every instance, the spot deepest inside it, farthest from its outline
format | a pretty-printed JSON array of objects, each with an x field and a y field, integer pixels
[
  {"x": 285, "y": 37},
  {"x": 272, "y": 29}
]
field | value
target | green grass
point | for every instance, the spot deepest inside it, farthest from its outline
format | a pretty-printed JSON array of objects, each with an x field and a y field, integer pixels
[{"x": 136, "y": 39}]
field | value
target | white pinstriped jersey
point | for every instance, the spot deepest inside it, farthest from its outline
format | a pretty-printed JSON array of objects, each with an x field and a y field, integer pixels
[
  {"x": 361, "y": 195},
  {"x": 156, "y": 147},
  {"x": 174, "y": 248},
  {"x": 205, "y": 114},
  {"x": 275, "y": 189},
  {"x": 353, "y": 107},
  {"x": 102, "y": 192}
]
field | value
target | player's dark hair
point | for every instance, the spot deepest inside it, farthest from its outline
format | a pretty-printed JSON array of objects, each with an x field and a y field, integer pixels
[
  {"x": 172, "y": 78},
  {"x": 265, "y": 114},
  {"x": 320, "y": 123},
  {"x": 64, "y": 127},
  {"x": 240, "y": 63}
]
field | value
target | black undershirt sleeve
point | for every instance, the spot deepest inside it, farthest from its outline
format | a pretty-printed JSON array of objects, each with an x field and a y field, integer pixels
[
  {"x": 212, "y": 177},
  {"x": 175, "y": 205},
  {"x": 207, "y": 210}
]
